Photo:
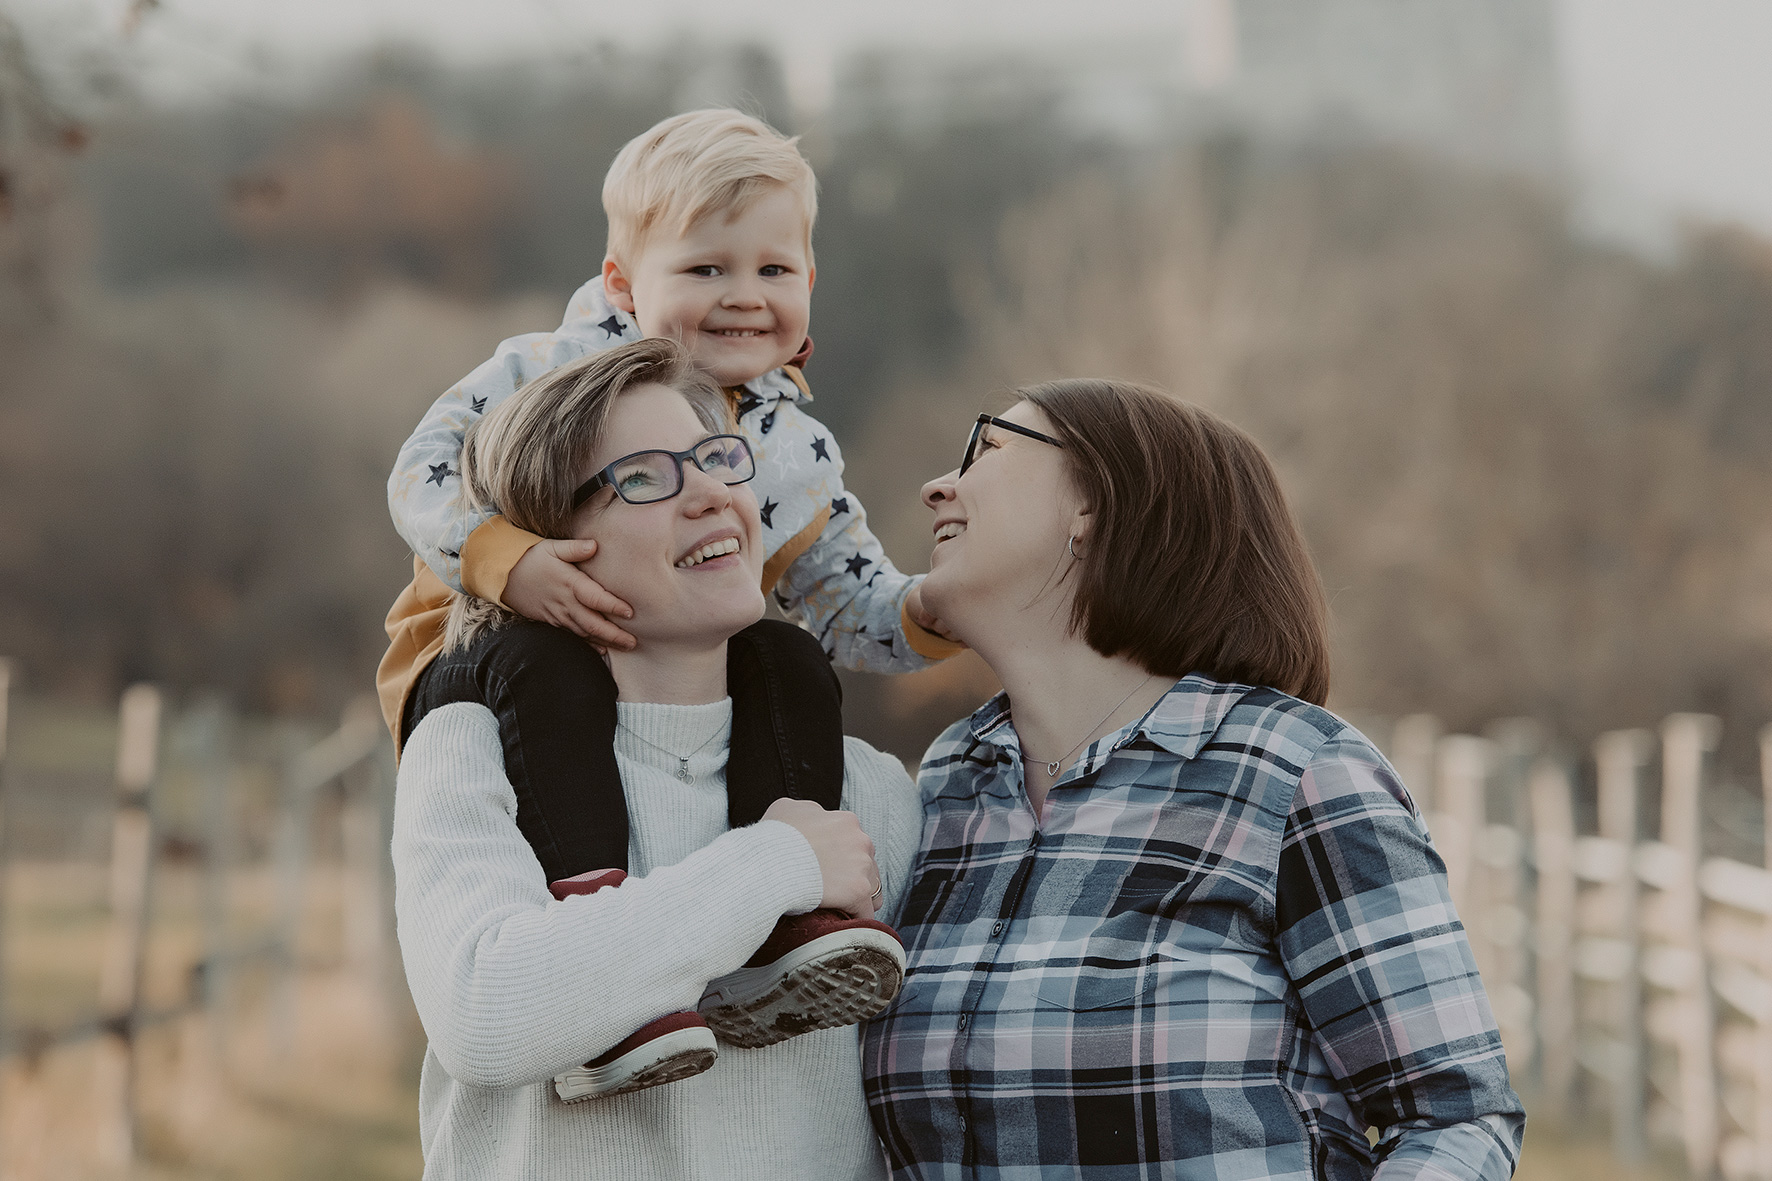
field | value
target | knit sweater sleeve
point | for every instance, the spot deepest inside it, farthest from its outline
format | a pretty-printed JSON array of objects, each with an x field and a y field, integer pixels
[
  {"x": 884, "y": 799},
  {"x": 513, "y": 987}
]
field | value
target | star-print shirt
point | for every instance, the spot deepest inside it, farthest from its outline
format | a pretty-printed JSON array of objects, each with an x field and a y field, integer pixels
[
  {"x": 823, "y": 564},
  {"x": 1225, "y": 951}
]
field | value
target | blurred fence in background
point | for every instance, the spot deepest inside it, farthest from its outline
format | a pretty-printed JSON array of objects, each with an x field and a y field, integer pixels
[
  {"x": 198, "y": 916},
  {"x": 1631, "y": 974},
  {"x": 205, "y": 930}
]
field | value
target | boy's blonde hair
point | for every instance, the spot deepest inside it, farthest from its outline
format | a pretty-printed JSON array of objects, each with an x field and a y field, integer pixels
[
  {"x": 527, "y": 457},
  {"x": 691, "y": 165}
]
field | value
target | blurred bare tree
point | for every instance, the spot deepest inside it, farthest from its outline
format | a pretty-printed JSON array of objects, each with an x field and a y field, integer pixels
[{"x": 1532, "y": 469}]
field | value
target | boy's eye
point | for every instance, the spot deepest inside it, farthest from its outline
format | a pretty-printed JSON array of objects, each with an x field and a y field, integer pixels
[
  {"x": 706, "y": 270},
  {"x": 773, "y": 270}
]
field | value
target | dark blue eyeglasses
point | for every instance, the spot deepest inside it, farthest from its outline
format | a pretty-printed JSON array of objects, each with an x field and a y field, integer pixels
[{"x": 646, "y": 477}]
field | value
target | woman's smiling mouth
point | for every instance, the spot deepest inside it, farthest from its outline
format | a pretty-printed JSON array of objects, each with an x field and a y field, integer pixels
[
  {"x": 708, "y": 552},
  {"x": 949, "y": 531}
]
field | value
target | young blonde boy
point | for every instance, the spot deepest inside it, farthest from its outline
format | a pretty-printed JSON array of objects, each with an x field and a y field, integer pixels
[{"x": 710, "y": 241}]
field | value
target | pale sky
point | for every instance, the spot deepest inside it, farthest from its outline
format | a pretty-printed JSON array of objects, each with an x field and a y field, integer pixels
[{"x": 1668, "y": 102}]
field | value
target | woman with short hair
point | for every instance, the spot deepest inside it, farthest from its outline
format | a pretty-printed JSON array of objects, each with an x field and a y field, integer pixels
[
  {"x": 529, "y": 1000},
  {"x": 1171, "y": 917}
]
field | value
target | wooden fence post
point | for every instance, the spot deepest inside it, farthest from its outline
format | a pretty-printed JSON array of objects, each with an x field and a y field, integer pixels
[
  {"x": 1620, "y": 756},
  {"x": 1763, "y": 1055},
  {"x": 1461, "y": 788},
  {"x": 290, "y": 854},
  {"x": 1553, "y": 824},
  {"x": 365, "y": 848},
  {"x": 215, "y": 748},
  {"x": 5, "y": 865},
  {"x": 1685, "y": 741},
  {"x": 138, "y": 752},
  {"x": 1415, "y": 742}
]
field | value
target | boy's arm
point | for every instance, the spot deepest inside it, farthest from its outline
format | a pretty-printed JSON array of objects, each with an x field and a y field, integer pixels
[
  {"x": 425, "y": 494},
  {"x": 845, "y": 589},
  {"x": 473, "y": 549}
]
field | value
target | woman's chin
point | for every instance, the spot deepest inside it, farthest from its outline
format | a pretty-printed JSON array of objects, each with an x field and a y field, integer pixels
[
  {"x": 938, "y": 597},
  {"x": 722, "y": 616}
]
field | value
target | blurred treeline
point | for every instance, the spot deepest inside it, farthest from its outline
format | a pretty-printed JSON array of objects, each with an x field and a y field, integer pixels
[{"x": 1535, "y": 469}]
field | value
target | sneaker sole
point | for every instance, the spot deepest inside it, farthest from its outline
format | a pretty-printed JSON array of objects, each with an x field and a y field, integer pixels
[
  {"x": 841, "y": 979},
  {"x": 681, "y": 1054}
]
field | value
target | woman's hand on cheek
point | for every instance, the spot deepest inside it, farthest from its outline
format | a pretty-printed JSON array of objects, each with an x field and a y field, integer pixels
[
  {"x": 923, "y": 618},
  {"x": 845, "y": 854},
  {"x": 547, "y": 586}
]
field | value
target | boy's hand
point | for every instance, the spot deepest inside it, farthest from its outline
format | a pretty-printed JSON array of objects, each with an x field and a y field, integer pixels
[
  {"x": 845, "y": 854},
  {"x": 547, "y": 587},
  {"x": 913, "y": 606}
]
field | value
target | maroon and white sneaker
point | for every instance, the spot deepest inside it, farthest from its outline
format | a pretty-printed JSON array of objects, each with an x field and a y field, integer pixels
[
  {"x": 815, "y": 971},
  {"x": 676, "y": 1046}
]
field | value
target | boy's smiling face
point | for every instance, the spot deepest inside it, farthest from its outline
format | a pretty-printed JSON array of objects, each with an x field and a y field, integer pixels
[{"x": 736, "y": 291}]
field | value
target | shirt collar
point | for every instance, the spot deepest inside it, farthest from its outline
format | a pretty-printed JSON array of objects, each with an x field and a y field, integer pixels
[
  {"x": 591, "y": 303},
  {"x": 1180, "y": 722}
]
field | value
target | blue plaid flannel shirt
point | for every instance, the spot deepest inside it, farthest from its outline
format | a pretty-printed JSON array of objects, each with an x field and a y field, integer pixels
[{"x": 1225, "y": 953}]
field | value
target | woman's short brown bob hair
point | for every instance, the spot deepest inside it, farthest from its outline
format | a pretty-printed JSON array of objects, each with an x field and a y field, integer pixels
[{"x": 1193, "y": 562}]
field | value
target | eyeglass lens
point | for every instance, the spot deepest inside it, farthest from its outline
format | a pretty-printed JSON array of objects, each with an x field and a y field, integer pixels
[{"x": 658, "y": 475}]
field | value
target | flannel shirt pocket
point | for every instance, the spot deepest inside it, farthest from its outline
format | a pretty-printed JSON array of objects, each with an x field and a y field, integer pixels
[{"x": 1090, "y": 993}]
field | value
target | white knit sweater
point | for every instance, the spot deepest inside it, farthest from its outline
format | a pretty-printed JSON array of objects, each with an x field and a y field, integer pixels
[{"x": 514, "y": 987}]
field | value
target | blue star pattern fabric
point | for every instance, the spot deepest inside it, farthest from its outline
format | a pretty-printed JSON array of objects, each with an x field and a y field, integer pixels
[
  {"x": 1224, "y": 951},
  {"x": 799, "y": 480}
]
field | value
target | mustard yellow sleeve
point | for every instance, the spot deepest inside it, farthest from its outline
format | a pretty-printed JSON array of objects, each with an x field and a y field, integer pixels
[
  {"x": 489, "y": 555},
  {"x": 924, "y": 642}
]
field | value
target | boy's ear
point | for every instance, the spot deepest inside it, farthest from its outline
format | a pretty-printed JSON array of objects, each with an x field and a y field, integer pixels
[
  {"x": 811, "y": 277},
  {"x": 616, "y": 287}
]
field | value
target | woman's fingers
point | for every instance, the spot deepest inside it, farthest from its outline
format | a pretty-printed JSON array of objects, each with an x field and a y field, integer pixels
[
  {"x": 845, "y": 853},
  {"x": 599, "y": 631}
]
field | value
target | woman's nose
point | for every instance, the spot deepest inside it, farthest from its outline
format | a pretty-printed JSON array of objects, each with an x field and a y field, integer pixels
[
  {"x": 701, "y": 492},
  {"x": 940, "y": 489}
]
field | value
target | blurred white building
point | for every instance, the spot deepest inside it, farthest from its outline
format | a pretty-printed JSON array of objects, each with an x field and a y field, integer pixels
[{"x": 1475, "y": 79}]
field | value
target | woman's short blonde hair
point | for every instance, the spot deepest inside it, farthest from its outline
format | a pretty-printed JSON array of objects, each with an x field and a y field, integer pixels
[
  {"x": 528, "y": 456},
  {"x": 695, "y": 164}
]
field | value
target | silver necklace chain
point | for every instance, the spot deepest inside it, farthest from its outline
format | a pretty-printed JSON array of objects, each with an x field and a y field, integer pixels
[
  {"x": 682, "y": 760},
  {"x": 1055, "y": 764}
]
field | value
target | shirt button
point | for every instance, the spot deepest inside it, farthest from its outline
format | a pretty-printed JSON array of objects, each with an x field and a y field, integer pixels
[
  {"x": 998, "y": 929},
  {"x": 964, "y": 1017}
]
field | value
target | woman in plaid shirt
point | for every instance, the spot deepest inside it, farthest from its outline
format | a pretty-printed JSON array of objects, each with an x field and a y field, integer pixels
[{"x": 1171, "y": 917}]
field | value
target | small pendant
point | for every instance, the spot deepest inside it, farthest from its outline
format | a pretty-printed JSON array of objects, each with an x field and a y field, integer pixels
[
  {"x": 1052, "y": 769},
  {"x": 683, "y": 768}
]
